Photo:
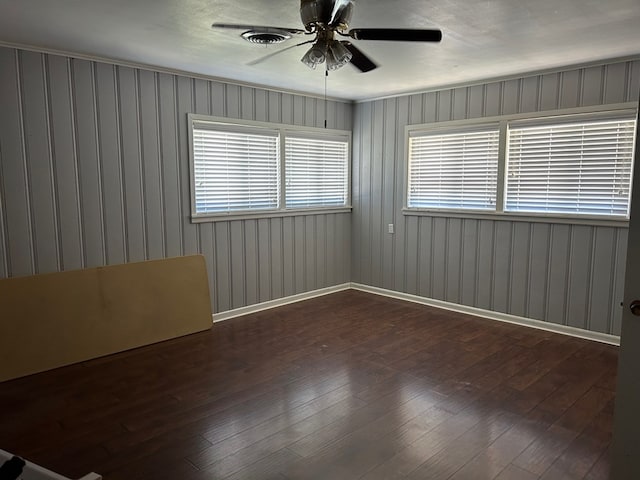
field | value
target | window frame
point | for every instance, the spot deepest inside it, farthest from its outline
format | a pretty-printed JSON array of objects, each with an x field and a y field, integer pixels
[
  {"x": 314, "y": 136},
  {"x": 284, "y": 131},
  {"x": 475, "y": 127},
  {"x": 568, "y": 115}
]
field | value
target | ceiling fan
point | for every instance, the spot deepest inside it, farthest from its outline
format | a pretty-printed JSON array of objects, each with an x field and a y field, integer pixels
[{"x": 326, "y": 20}]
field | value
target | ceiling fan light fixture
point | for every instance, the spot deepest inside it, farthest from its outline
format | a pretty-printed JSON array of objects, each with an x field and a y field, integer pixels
[
  {"x": 337, "y": 55},
  {"x": 324, "y": 19},
  {"x": 315, "y": 55}
]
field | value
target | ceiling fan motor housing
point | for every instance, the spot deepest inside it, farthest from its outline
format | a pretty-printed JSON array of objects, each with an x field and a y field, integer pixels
[{"x": 325, "y": 13}]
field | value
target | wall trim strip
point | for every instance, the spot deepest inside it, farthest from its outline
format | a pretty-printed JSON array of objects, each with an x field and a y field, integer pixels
[
  {"x": 454, "y": 307},
  {"x": 171, "y": 71},
  {"x": 491, "y": 315},
  {"x": 507, "y": 77},
  {"x": 259, "y": 307}
]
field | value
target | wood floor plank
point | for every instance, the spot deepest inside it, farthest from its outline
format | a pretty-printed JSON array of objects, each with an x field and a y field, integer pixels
[
  {"x": 491, "y": 461},
  {"x": 162, "y": 454},
  {"x": 447, "y": 462},
  {"x": 345, "y": 386},
  {"x": 546, "y": 450},
  {"x": 552, "y": 352},
  {"x": 514, "y": 473},
  {"x": 267, "y": 468},
  {"x": 354, "y": 454},
  {"x": 584, "y": 451},
  {"x": 440, "y": 438},
  {"x": 230, "y": 454},
  {"x": 602, "y": 468},
  {"x": 332, "y": 432}
]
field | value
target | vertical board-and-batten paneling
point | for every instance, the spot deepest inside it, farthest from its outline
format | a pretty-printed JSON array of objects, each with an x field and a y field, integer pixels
[
  {"x": 94, "y": 171},
  {"x": 561, "y": 273}
]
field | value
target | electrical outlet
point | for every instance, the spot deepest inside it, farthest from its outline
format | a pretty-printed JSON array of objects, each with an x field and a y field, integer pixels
[{"x": 391, "y": 228}]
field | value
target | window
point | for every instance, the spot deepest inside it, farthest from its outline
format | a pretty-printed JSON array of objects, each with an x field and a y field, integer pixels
[
  {"x": 562, "y": 165},
  {"x": 316, "y": 172},
  {"x": 253, "y": 168},
  {"x": 453, "y": 170},
  {"x": 235, "y": 170},
  {"x": 571, "y": 168}
]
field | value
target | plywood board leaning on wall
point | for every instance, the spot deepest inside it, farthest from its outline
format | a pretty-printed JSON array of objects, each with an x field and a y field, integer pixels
[{"x": 57, "y": 319}]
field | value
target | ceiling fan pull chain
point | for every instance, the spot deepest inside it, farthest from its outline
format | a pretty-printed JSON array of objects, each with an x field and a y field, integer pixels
[{"x": 326, "y": 75}]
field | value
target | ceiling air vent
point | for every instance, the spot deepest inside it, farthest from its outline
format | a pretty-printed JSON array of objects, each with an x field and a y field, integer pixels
[{"x": 266, "y": 36}]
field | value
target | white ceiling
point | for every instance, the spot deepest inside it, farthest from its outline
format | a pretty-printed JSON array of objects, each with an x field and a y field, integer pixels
[{"x": 481, "y": 39}]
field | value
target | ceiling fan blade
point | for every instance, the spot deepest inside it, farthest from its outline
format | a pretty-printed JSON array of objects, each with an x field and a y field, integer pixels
[
  {"x": 273, "y": 54},
  {"x": 396, "y": 34},
  {"x": 236, "y": 26},
  {"x": 359, "y": 59},
  {"x": 338, "y": 12}
]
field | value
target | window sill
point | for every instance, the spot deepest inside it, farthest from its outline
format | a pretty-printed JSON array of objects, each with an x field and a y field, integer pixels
[
  {"x": 267, "y": 214},
  {"x": 517, "y": 217}
]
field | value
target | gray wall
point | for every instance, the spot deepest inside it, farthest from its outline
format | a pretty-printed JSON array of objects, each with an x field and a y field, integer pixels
[
  {"x": 561, "y": 273},
  {"x": 94, "y": 171}
]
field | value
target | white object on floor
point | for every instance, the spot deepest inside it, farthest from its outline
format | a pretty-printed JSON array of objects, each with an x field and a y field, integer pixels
[{"x": 32, "y": 471}]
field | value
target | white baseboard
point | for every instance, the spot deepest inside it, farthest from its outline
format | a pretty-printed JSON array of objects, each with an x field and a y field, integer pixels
[
  {"x": 455, "y": 307},
  {"x": 501, "y": 317},
  {"x": 258, "y": 307}
]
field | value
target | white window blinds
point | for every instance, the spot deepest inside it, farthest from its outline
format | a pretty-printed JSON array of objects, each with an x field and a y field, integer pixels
[
  {"x": 453, "y": 170},
  {"x": 316, "y": 171},
  {"x": 235, "y": 170},
  {"x": 570, "y": 168}
]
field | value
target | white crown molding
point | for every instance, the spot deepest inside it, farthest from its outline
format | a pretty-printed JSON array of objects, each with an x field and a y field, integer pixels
[
  {"x": 170, "y": 71},
  {"x": 504, "y": 78}
]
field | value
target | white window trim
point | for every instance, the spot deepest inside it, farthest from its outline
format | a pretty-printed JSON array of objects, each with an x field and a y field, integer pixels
[
  {"x": 284, "y": 130},
  {"x": 461, "y": 129},
  {"x": 580, "y": 113}
]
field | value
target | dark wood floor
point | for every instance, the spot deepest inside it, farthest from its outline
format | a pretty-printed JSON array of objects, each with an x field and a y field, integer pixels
[{"x": 346, "y": 386}]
